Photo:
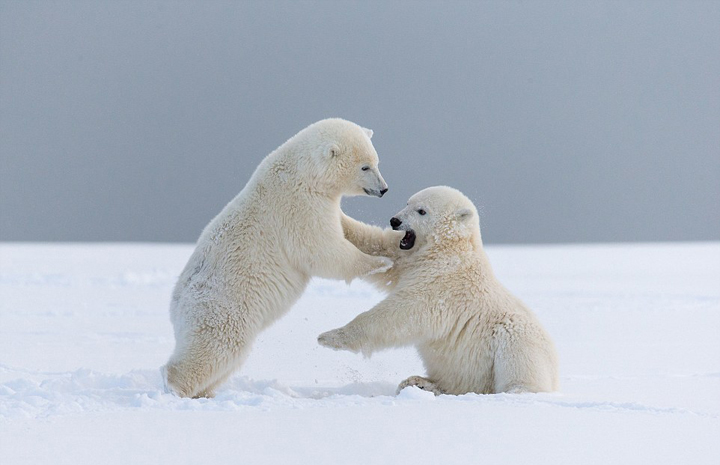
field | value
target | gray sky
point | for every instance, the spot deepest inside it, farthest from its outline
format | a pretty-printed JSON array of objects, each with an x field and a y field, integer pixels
[{"x": 563, "y": 121}]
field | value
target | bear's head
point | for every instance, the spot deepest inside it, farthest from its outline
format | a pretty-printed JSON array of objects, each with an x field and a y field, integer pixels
[
  {"x": 437, "y": 215},
  {"x": 345, "y": 161}
]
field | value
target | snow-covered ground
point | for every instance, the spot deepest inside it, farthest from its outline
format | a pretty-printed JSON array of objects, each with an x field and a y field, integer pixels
[{"x": 84, "y": 328}]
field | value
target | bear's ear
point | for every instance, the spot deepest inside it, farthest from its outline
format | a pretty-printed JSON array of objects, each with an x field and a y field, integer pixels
[
  {"x": 332, "y": 151},
  {"x": 369, "y": 132},
  {"x": 464, "y": 214}
]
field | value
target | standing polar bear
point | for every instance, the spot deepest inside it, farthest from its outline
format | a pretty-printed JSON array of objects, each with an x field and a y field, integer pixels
[
  {"x": 255, "y": 258},
  {"x": 472, "y": 334}
]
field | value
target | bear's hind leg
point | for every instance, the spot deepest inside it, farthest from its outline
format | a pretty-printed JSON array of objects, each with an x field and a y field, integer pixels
[
  {"x": 520, "y": 364},
  {"x": 423, "y": 383}
]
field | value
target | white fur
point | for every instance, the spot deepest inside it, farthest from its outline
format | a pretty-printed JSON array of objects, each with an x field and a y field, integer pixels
[
  {"x": 255, "y": 258},
  {"x": 473, "y": 335}
]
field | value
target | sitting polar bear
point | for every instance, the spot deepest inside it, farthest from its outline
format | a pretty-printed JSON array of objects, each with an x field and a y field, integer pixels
[
  {"x": 255, "y": 258},
  {"x": 472, "y": 334}
]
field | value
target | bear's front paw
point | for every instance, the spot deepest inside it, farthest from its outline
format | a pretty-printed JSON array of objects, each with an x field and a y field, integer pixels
[
  {"x": 337, "y": 339},
  {"x": 383, "y": 264}
]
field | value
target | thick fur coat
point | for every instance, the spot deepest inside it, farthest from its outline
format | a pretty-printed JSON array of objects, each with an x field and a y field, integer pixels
[
  {"x": 472, "y": 334},
  {"x": 255, "y": 258}
]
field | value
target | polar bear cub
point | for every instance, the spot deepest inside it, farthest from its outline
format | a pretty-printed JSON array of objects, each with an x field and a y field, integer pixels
[
  {"x": 255, "y": 258},
  {"x": 472, "y": 334}
]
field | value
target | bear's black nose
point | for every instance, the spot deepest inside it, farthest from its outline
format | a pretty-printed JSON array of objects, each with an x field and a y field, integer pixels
[
  {"x": 394, "y": 222},
  {"x": 382, "y": 191}
]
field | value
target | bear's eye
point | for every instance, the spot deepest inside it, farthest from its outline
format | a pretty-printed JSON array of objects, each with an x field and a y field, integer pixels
[
  {"x": 365, "y": 168},
  {"x": 421, "y": 211}
]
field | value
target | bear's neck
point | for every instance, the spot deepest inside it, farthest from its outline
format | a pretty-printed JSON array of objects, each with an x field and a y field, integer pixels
[
  {"x": 284, "y": 168},
  {"x": 460, "y": 251},
  {"x": 450, "y": 243}
]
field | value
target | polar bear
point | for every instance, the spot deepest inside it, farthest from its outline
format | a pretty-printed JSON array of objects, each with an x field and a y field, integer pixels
[
  {"x": 472, "y": 334},
  {"x": 255, "y": 258}
]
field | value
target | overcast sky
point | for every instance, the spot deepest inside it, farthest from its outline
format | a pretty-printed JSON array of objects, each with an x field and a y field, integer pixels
[{"x": 562, "y": 121}]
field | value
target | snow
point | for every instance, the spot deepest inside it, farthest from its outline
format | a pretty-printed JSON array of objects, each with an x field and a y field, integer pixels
[{"x": 84, "y": 328}]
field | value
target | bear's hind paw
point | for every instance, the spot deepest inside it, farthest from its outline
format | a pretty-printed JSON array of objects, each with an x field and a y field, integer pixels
[{"x": 418, "y": 381}]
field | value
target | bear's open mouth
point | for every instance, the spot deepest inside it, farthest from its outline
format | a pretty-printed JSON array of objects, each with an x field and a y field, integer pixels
[{"x": 407, "y": 242}]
